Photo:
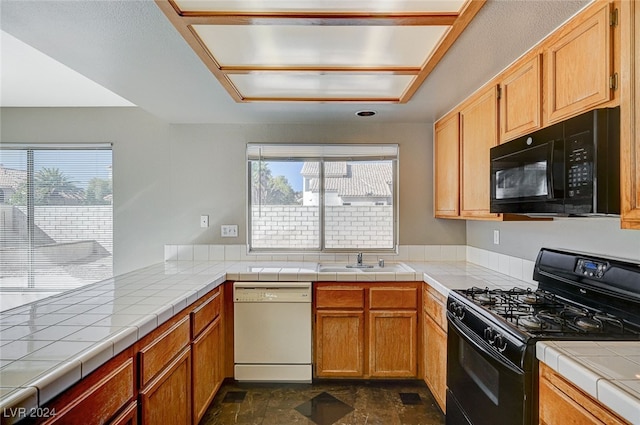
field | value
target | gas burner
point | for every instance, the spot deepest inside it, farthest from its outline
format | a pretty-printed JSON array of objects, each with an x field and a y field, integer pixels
[
  {"x": 532, "y": 323},
  {"x": 587, "y": 323},
  {"x": 533, "y": 298},
  {"x": 485, "y": 298}
]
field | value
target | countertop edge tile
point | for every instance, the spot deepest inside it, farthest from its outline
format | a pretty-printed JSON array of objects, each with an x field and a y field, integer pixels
[
  {"x": 57, "y": 380},
  {"x": 619, "y": 400},
  {"x": 20, "y": 398}
]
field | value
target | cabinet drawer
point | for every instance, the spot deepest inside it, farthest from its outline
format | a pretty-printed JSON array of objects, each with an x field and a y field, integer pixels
[
  {"x": 156, "y": 355},
  {"x": 205, "y": 313},
  {"x": 386, "y": 298},
  {"x": 339, "y": 297},
  {"x": 434, "y": 305},
  {"x": 102, "y": 400}
]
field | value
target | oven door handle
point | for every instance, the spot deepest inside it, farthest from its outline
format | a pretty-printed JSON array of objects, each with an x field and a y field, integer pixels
[{"x": 480, "y": 345}]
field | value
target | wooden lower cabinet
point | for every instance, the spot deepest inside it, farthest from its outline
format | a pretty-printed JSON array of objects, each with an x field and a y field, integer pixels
[
  {"x": 339, "y": 343},
  {"x": 207, "y": 373},
  {"x": 207, "y": 352},
  {"x": 366, "y": 330},
  {"x": 103, "y": 394},
  {"x": 435, "y": 344},
  {"x": 167, "y": 398},
  {"x": 561, "y": 403},
  {"x": 435, "y": 367},
  {"x": 393, "y": 343},
  {"x": 168, "y": 377}
]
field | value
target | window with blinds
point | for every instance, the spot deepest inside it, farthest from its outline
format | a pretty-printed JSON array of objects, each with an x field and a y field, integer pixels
[
  {"x": 322, "y": 197},
  {"x": 56, "y": 225}
]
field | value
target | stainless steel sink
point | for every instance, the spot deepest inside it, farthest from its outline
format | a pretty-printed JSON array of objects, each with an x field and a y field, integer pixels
[{"x": 350, "y": 268}]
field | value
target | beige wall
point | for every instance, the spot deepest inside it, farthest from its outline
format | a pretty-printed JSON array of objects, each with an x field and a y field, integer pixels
[{"x": 166, "y": 176}]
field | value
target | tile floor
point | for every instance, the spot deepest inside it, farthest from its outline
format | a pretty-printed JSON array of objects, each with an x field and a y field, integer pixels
[{"x": 324, "y": 403}]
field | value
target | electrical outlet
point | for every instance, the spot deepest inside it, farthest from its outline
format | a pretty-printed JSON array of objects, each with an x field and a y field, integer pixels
[
  {"x": 229, "y": 230},
  {"x": 204, "y": 221},
  {"x": 496, "y": 237}
]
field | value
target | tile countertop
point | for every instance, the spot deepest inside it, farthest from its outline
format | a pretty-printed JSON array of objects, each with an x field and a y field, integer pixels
[
  {"x": 609, "y": 371},
  {"x": 50, "y": 344}
]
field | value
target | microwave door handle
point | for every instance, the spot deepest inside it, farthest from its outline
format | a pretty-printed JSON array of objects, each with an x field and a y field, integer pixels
[
  {"x": 550, "y": 171},
  {"x": 479, "y": 345}
]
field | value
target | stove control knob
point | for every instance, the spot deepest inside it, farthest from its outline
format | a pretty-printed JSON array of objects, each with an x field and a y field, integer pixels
[
  {"x": 457, "y": 309},
  {"x": 489, "y": 335},
  {"x": 500, "y": 343}
]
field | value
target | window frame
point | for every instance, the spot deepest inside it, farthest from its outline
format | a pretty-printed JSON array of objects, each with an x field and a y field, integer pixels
[{"x": 351, "y": 153}]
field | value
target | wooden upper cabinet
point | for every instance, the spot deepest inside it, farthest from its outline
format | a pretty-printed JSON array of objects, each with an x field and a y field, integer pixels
[
  {"x": 478, "y": 134},
  {"x": 579, "y": 63},
  {"x": 521, "y": 99},
  {"x": 630, "y": 115},
  {"x": 447, "y": 166}
]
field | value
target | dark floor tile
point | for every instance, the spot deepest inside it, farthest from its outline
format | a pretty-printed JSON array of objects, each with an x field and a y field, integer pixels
[
  {"x": 410, "y": 398},
  {"x": 234, "y": 397},
  {"x": 364, "y": 402},
  {"x": 324, "y": 409}
]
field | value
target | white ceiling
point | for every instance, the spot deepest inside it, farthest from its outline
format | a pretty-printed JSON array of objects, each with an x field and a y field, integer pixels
[{"x": 130, "y": 48}]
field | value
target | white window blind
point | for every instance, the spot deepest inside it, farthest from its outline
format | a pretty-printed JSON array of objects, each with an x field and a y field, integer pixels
[
  {"x": 55, "y": 219},
  {"x": 322, "y": 197}
]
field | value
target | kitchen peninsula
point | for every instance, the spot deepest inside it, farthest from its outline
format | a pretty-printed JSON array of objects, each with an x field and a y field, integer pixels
[{"x": 93, "y": 325}]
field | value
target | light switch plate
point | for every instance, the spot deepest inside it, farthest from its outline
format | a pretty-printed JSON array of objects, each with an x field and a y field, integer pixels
[
  {"x": 204, "y": 221},
  {"x": 496, "y": 237},
  {"x": 229, "y": 230}
]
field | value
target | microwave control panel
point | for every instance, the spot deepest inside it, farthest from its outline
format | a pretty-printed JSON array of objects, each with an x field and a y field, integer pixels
[{"x": 580, "y": 166}]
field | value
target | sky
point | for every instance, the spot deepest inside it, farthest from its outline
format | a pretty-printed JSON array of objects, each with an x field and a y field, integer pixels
[
  {"x": 79, "y": 166},
  {"x": 289, "y": 169}
]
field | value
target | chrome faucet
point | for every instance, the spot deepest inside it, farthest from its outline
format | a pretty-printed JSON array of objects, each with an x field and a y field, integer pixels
[{"x": 359, "y": 260}]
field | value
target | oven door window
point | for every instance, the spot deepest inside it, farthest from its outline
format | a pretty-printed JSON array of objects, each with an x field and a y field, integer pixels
[
  {"x": 522, "y": 174},
  {"x": 485, "y": 376}
]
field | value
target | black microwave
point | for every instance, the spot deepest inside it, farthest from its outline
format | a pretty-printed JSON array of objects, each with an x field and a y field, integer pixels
[{"x": 569, "y": 168}]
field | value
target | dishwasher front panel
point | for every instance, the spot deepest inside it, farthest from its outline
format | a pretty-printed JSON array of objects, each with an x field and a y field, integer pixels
[{"x": 272, "y": 333}]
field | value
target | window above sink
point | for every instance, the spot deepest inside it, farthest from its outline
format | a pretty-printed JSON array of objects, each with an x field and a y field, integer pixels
[{"x": 322, "y": 198}]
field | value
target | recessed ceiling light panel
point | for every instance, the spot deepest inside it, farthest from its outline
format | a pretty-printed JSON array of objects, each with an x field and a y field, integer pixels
[{"x": 320, "y": 50}]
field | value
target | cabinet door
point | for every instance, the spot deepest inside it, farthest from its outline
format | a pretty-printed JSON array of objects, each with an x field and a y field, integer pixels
[
  {"x": 479, "y": 133},
  {"x": 154, "y": 356},
  {"x": 447, "y": 166},
  {"x": 339, "y": 343},
  {"x": 435, "y": 367},
  {"x": 103, "y": 399},
  {"x": 206, "y": 374},
  {"x": 521, "y": 100},
  {"x": 167, "y": 398},
  {"x": 579, "y": 66},
  {"x": 561, "y": 403},
  {"x": 393, "y": 344},
  {"x": 630, "y": 115}
]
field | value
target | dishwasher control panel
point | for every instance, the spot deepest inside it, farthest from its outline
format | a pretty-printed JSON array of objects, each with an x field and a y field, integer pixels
[{"x": 283, "y": 292}]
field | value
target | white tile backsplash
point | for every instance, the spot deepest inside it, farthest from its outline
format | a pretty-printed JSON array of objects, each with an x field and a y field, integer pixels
[
  {"x": 238, "y": 253},
  {"x": 432, "y": 253},
  {"x": 185, "y": 252},
  {"x": 216, "y": 252},
  {"x": 512, "y": 266},
  {"x": 201, "y": 252}
]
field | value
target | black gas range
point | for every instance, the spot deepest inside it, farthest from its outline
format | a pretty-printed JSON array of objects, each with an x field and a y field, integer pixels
[{"x": 492, "y": 369}]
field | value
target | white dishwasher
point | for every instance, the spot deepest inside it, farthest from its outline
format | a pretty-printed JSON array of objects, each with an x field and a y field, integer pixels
[{"x": 272, "y": 331}]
